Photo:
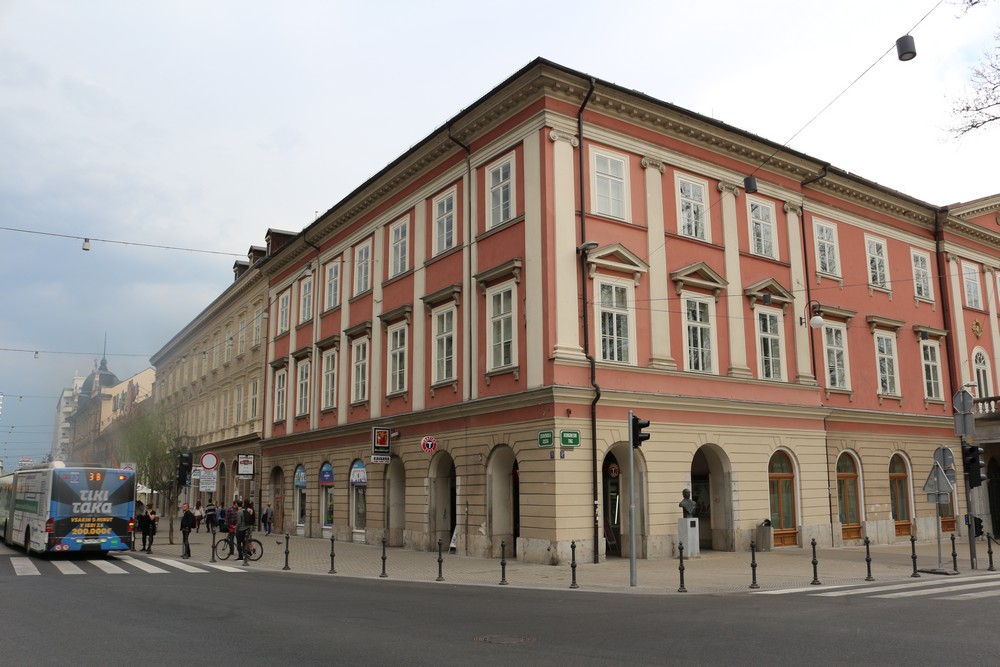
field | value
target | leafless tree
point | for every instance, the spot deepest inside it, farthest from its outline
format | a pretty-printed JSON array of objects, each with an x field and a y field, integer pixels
[{"x": 982, "y": 105}]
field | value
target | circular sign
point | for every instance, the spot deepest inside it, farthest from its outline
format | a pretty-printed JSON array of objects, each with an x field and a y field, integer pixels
[
  {"x": 209, "y": 461},
  {"x": 428, "y": 443},
  {"x": 613, "y": 470}
]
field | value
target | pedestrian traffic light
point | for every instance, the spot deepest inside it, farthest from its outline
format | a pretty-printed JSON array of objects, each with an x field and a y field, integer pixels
[
  {"x": 638, "y": 437},
  {"x": 972, "y": 460},
  {"x": 978, "y": 525},
  {"x": 184, "y": 462}
]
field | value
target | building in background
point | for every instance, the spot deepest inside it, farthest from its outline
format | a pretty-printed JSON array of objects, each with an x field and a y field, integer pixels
[
  {"x": 450, "y": 353},
  {"x": 65, "y": 408}
]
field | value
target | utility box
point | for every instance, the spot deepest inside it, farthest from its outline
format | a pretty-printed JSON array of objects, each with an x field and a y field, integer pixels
[{"x": 765, "y": 536}]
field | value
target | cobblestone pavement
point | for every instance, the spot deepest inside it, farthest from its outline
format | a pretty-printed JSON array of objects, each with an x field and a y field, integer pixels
[{"x": 714, "y": 572}]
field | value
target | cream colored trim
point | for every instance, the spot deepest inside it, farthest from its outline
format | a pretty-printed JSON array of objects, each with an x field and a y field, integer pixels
[
  {"x": 659, "y": 312},
  {"x": 534, "y": 314},
  {"x": 564, "y": 268}
]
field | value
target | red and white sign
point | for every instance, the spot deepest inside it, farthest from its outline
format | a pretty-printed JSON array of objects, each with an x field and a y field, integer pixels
[
  {"x": 428, "y": 443},
  {"x": 209, "y": 461}
]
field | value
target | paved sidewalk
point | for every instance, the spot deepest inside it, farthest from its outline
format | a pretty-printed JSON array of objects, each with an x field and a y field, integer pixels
[{"x": 713, "y": 573}]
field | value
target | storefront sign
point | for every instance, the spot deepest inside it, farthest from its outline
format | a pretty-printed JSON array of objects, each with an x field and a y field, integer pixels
[
  {"x": 359, "y": 476},
  {"x": 428, "y": 443},
  {"x": 244, "y": 464},
  {"x": 380, "y": 441},
  {"x": 326, "y": 475}
]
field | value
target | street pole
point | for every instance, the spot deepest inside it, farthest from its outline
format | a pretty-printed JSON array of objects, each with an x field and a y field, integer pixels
[
  {"x": 971, "y": 528},
  {"x": 631, "y": 504}
]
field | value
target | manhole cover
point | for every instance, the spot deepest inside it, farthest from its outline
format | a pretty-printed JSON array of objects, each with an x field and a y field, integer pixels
[{"x": 504, "y": 639}]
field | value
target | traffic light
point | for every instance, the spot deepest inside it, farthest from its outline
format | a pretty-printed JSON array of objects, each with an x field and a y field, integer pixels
[
  {"x": 184, "y": 462},
  {"x": 978, "y": 524},
  {"x": 972, "y": 460},
  {"x": 638, "y": 437}
]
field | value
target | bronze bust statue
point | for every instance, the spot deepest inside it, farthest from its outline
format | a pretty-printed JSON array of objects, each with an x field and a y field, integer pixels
[{"x": 689, "y": 506}]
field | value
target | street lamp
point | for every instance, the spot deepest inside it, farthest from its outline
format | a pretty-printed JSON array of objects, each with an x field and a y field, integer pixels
[{"x": 816, "y": 321}]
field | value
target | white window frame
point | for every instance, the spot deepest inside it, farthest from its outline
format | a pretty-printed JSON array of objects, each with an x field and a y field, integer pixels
[
  {"x": 215, "y": 352},
  {"x": 500, "y": 191},
  {"x": 931, "y": 368},
  {"x": 228, "y": 346},
  {"x": 445, "y": 231},
  {"x": 284, "y": 304},
  {"x": 923, "y": 287},
  {"x": 606, "y": 187},
  {"x": 305, "y": 299},
  {"x": 443, "y": 349},
  {"x": 241, "y": 345},
  {"x": 362, "y": 267},
  {"x": 622, "y": 348},
  {"x": 329, "y": 361},
  {"x": 238, "y": 404},
  {"x": 252, "y": 398},
  {"x": 836, "y": 357},
  {"x": 888, "y": 378},
  {"x": 359, "y": 369},
  {"x": 827, "y": 246},
  {"x": 708, "y": 325},
  {"x": 770, "y": 343},
  {"x": 280, "y": 387},
  {"x": 495, "y": 345},
  {"x": 395, "y": 372},
  {"x": 982, "y": 372},
  {"x": 877, "y": 256},
  {"x": 971, "y": 286},
  {"x": 258, "y": 321},
  {"x": 763, "y": 230},
  {"x": 303, "y": 370},
  {"x": 399, "y": 247},
  {"x": 332, "y": 295},
  {"x": 688, "y": 209}
]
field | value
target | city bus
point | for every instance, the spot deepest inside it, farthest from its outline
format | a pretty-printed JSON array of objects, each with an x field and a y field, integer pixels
[{"x": 58, "y": 508}]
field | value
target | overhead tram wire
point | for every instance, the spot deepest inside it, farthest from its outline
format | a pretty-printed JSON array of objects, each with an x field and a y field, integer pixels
[{"x": 127, "y": 243}]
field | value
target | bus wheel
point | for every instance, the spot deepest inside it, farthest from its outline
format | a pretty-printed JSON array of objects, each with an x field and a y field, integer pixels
[{"x": 27, "y": 541}]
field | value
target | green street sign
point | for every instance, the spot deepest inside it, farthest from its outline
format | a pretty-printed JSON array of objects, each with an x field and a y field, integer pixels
[
  {"x": 546, "y": 438},
  {"x": 569, "y": 438}
]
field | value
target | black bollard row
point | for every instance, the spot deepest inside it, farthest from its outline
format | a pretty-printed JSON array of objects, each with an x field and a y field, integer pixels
[
  {"x": 287, "y": 537},
  {"x": 913, "y": 555},
  {"x": 383, "y": 560},
  {"x": 954, "y": 554},
  {"x": 680, "y": 567},
  {"x": 572, "y": 548},
  {"x": 989, "y": 551},
  {"x": 868, "y": 559},
  {"x": 333, "y": 569},
  {"x": 503, "y": 563},
  {"x": 440, "y": 562},
  {"x": 753, "y": 564},
  {"x": 212, "y": 559},
  {"x": 815, "y": 581}
]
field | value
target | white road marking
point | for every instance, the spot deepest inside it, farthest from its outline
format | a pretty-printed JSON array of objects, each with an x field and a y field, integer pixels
[
  {"x": 23, "y": 566},
  {"x": 897, "y": 587},
  {"x": 67, "y": 567},
  {"x": 935, "y": 591},
  {"x": 108, "y": 568},
  {"x": 808, "y": 589},
  {"x": 141, "y": 564},
  {"x": 180, "y": 565}
]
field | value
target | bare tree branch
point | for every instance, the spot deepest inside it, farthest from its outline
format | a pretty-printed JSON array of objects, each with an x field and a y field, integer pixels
[{"x": 982, "y": 106}]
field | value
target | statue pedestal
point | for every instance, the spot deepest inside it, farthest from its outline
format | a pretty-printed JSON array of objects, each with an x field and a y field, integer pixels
[{"x": 687, "y": 532}]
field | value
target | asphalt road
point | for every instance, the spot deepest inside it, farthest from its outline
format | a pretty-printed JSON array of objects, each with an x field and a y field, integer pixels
[{"x": 222, "y": 617}]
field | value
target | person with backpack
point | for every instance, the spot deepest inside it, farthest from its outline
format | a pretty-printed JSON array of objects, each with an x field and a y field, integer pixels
[
  {"x": 244, "y": 524},
  {"x": 231, "y": 515},
  {"x": 267, "y": 518},
  {"x": 210, "y": 512}
]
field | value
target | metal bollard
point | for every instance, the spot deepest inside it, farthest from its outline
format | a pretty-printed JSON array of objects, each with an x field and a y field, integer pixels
[
  {"x": 503, "y": 563},
  {"x": 572, "y": 548},
  {"x": 440, "y": 561},
  {"x": 989, "y": 551},
  {"x": 287, "y": 537},
  {"x": 333, "y": 570},
  {"x": 753, "y": 564},
  {"x": 868, "y": 559},
  {"x": 212, "y": 559},
  {"x": 383, "y": 559},
  {"x": 680, "y": 568},
  {"x": 815, "y": 581},
  {"x": 954, "y": 555},
  {"x": 913, "y": 555}
]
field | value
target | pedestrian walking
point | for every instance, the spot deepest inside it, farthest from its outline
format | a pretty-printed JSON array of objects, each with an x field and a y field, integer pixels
[
  {"x": 188, "y": 521},
  {"x": 267, "y": 518},
  {"x": 144, "y": 528},
  {"x": 153, "y": 520},
  {"x": 231, "y": 515},
  {"x": 210, "y": 511},
  {"x": 244, "y": 524},
  {"x": 199, "y": 515}
]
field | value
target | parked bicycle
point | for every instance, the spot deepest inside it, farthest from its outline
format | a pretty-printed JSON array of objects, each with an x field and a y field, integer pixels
[{"x": 226, "y": 548}]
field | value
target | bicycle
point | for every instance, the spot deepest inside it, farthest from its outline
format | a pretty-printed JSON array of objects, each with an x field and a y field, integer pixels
[{"x": 224, "y": 548}]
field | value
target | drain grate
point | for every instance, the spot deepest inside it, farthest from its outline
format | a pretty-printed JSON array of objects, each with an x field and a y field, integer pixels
[{"x": 504, "y": 639}]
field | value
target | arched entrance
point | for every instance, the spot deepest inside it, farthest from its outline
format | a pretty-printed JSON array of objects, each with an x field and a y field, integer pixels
[
  {"x": 899, "y": 495},
  {"x": 278, "y": 499},
  {"x": 504, "y": 501},
  {"x": 711, "y": 489},
  {"x": 395, "y": 502},
  {"x": 443, "y": 496},
  {"x": 781, "y": 492},
  {"x": 359, "y": 501},
  {"x": 616, "y": 499},
  {"x": 993, "y": 490},
  {"x": 848, "y": 497}
]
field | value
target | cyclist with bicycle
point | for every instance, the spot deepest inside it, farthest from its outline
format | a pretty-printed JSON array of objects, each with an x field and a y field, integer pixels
[{"x": 244, "y": 524}]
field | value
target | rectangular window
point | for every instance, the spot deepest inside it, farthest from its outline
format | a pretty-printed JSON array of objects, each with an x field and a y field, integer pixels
[
  {"x": 302, "y": 394},
  {"x": 241, "y": 345},
  {"x": 280, "y": 379},
  {"x": 835, "y": 351},
  {"x": 224, "y": 418},
  {"x": 929, "y": 350},
  {"x": 610, "y": 185},
  {"x": 252, "y": 399},
  {"x": 698, "y": 335},
  {"x": 885, "y": 357},
  {"x": 769, "y": 344},
  {"x": 238, "y": 405},
  {"x": 613, "y": 302},
  {"x": 878, "y": 262},
  {"x": 443, "y": 332},
  {"x": 827, "y": 255},
  {"x": 500, "y": 314},
  {"x": 399, "y": 247},
  {"x": 444, "y": 222},
  {"x": 970, "y": 279},
  {"x": 359, "y": 370},
  {"x": 762, "y": 233},
  {"x": 305, "y": 300},
  {"x": 258, "y": 321},
  {"x": 284, "y": 303},
  {"x": 397, "y": 358},
  {"x": 329, "y": 379},
  {"x": 215, "y": 353},
  {"x": 922, "y": 275},
  {"x": 333, "y": 284},
  {"x": 692, "y": 201},
  {"x": 229, "y": 346},
  {"x": 362, "y": 268},
  {"x": 500, "y": 181}
]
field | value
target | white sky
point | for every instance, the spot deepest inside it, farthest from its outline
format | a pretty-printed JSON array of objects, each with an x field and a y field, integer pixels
[{"x": 201, "y": 124}]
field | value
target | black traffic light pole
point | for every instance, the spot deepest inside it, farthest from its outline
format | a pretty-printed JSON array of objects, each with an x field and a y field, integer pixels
[
  {"x": 973, "y": 478},
  {"x": 635, "y": 438}
]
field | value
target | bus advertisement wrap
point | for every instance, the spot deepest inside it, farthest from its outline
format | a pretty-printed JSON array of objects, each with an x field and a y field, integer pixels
[{"x": 91, "y": 508}]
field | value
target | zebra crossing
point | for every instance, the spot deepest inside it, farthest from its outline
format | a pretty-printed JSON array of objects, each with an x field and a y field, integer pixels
[
  {"x": 947, "y": 588},
  {"x": 24, "y": 566}
]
